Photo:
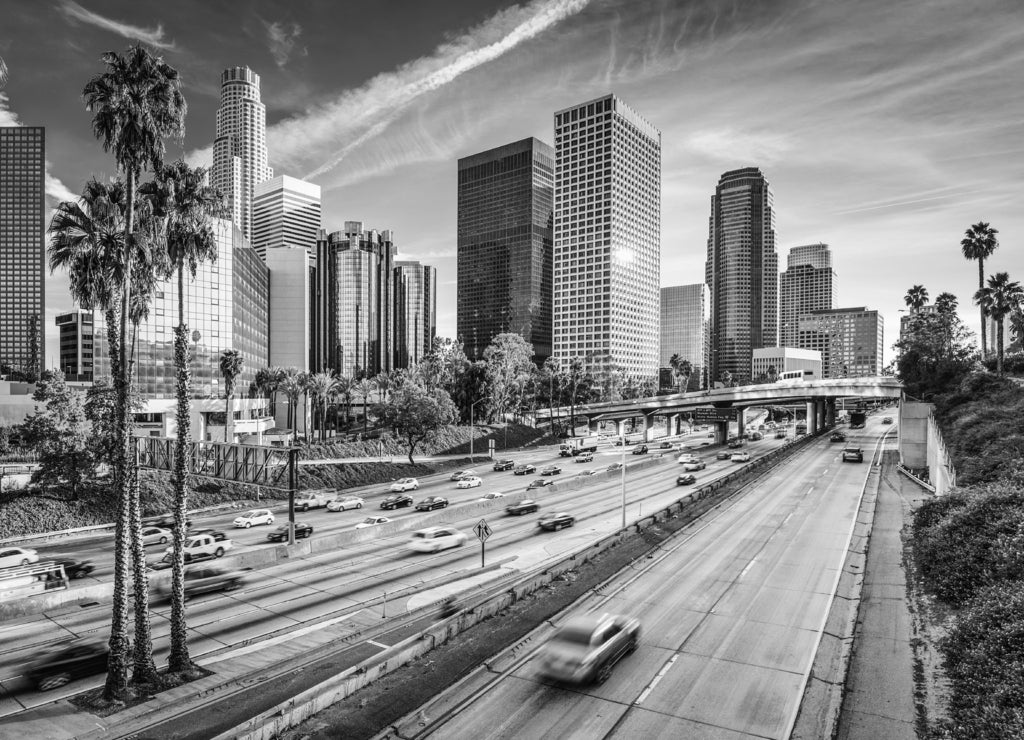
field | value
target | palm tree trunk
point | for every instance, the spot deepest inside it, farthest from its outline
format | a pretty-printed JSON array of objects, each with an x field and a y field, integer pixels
[
  {"x": 144, "y": 668},
  {"x": 999, "y": 347},
  {"x": 227, "y": 418},
  {"x": 981, "y": 284}
]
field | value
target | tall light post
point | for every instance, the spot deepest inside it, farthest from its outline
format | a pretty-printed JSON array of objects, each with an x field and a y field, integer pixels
[
  {"x": 471, "y": 407},
  {"x": 622, "y": 440}
]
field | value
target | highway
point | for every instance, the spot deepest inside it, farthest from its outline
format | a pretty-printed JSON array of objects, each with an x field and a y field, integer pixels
[
  {"x": 731, "y": 618},
  {"x": 288, "y": 594}
]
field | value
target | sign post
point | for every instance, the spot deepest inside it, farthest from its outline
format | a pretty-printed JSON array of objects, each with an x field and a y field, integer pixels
[{"x": 482, "y": 533}]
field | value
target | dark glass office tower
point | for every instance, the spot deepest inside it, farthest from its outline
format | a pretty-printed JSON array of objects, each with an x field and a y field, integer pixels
[
  {"x": 415, "y": 312},
  {"x": 22, "y": 247},
  {"x": 504, "y": 246},
  {"x": 742, "y": 272}
]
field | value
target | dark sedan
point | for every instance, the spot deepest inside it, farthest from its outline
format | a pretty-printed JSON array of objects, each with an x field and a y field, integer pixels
[
  {"x": 524, "y": 469},
  {"x": 73, "y": 567},
  {"x": 281, "y": 533},
  {"x": 538, "y": 483},
  {"x": 723, "y": 455},
  {"x": 641, "y": 450},
  {"x": 837, "y": 437},
  {"x": 687, "y": 479},
  {"x": 67, "y": 661},
  {"x": 613, "y": 467},
  {"x": 526, "y": 506},
  {"x": 551, "y": 470},
  {"x": 554, "y": 522},
  {"x": 165, "y": 521},
  {"x": 432, "y": 502},
  {"x": 396, "y": 502}
]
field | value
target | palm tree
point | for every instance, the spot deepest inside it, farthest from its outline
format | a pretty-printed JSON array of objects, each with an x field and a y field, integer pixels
[
  {"x": 321, "y": 386},
  {"x": 136, "y": 104},
  {"x": 997, "y": 299},
  {"x": 231, "y": 364},
  {"x": 291, "y": 387},
  {"x": 550, "y": 369},
  {"x": 979, "y": 243},
  {"x": 180, "y": 196},
  {"x": 946, "y": 303},
  {"x": 364, "y": 389},
  {"x": 916, "y": 298}
]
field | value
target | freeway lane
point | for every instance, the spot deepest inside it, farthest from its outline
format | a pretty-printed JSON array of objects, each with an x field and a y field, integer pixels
[
  {"x": 730, "y": 616},
  {"x": 281, "y": 597}
]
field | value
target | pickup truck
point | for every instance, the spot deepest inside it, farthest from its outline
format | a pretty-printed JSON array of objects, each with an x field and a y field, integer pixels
[
  {"x": 314, "y": 499},
  {"x": 200, "y": 546}
]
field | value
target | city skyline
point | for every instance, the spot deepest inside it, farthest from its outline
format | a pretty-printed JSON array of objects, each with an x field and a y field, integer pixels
[{"x": 861, "y": 126}]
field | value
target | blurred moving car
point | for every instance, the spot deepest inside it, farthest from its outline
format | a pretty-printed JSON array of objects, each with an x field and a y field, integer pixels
[
  {"x": 155, "y": 536},
  {"x": 164, "y": 521},
  {"x": 740, "y": 457},
  {"x": 281, "y": 533},
  {"x": 67, "y": 661},
  {"x": 723, "y": 455},
  {"x": 586, "y": 648},
  {"x": 853, "y": 454},
  {"x": 491, "y": 496},
  {"x": 665, "y": 446},
  {"x": 256, "y": 516},
  {"x": 504, "y": 465},
  {"x": 405, "y": 484},
  {"x": 613, "y": 467},
  {"x": 396, "y": 501},
  {"x": 585, "y": 457},
  {"x": 524, "y": 469},
  {"x": 756, "y": 436},
  {"x": 686, "y": 479},
  {"x": 215, "y": 533},
  {"x": 372, "y": 521},
  {"x": 460, "y": 474},
  {"x": 551, "y": 470},
  {"x": 432, "y": 502},
  {"x": 641, "y": 450},
  {"x": 74, "y": 567},
  {"x": 16, "y": 557},
  {"x": 781, "y": 434},
  {"x": 204, "y": 579},
  {"x": 538, "y": 483},
  {"x": 735, "y": 444},
  {"x": 694, "y": 465},
  {"x": 526, "y": 506},
  {"x": 887, "y": 420},
  {"x": 433, "y": 539},
  {"x": 586, "y": 472},
  {"x": 347, "y": 502},
  {"x": 837, "y": 437},
  {"x": 470, "y": 481},
  {"x": 554, "y": 522}
]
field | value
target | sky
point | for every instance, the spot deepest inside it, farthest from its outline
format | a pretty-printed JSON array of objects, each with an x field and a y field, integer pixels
[{"x": 885, "y": 129}]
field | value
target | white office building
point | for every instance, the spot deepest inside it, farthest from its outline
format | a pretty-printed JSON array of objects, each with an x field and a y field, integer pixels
[
  {"x": 286, "y": 213},
  {"x": 607, "y": 239},
  {"x": 768, "y": 362}
]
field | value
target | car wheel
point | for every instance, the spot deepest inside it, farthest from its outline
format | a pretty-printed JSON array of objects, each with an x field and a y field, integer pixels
[
  {"x": 53, "y": 682},
  {"x": 248, "y": 524},
  {"x": 359, "y": 506},
  {"x": 163, "y": 540},
  {"x": 24, "y": 562},
  {"x": 188, "y": 558},
  {"x": 603, "y": 673},
  {"x": 219, "y": 552},
  {"x": 632, "y": 645},
  {"x": 304, "y": 509}
]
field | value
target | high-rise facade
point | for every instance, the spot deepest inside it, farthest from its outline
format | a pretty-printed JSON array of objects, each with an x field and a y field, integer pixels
[
  {"x": 22, "y": 248},
  {"x": 607, "y": 239},
  {"x": 291, "y": 307},
  {"x": 742, "y": 272},
  {"x": 240, "y": 145},
  {"x": 850, "y": 340},
  {"x": 807, "y": 284},
  {"x": 285, "y": 213},
  {"x": 504, "y": 246},
  {"x": 684, "y": 329},
  {"x": 354, "y": 322},
  {"x": 415, "y": 312},
  {"x": 76, "y": 345},
  {"x": 226, "y": 307}
]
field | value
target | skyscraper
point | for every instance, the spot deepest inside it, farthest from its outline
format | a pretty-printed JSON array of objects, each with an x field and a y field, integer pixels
[
  {"x": 76, "y": 345},
  {"x": 504, "y": 246},
  {"x": 354, "y": 323},
  {"x": 742, "y": 271},
  {"x": 415, "y": 312},
  {"x": 240, "y": 146},
  {"x": 291, "y": 291},
  {"x": 850, "y": 340},
  {"x": 807, "y": 284},
  {"x": 684, "y": 329},
  {"x": 285, "y": 212},
  {"x": 606, "y": 309},
  {"x": 22, "y": 247}
]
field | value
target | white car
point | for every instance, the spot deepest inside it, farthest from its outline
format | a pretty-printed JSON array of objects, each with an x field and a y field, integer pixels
[
  {"x": 740, "y": 457},
  {"x": 694, "y": 465},
  {"x": 492, "y": 496},
  {"x": 405, "y": 484},
  {"x": 256, "y": 516},
  {"x": 433, "y": 539},
  {"x": 688, "y": 457},
  {"x": 372, "y": 521},
  {"x": 460, "y": 474},
  {"x": 341, "y": 504},
  {"x": 15, "y": 557},
  {"x": 470, "y": 481},
  {"x": 155, "y": 536}
]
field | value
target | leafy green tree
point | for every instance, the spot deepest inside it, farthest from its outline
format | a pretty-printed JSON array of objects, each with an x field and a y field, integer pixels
[
  {"x": 509, "y": 360},
  {"x": 417, "y": 413},
  {"x": 998, "y": 299},
  {"x": 60, "y": 432},
  {"x": 935, "y": 353},
  {"x": 978, "y": 244},
  {"x": 916, "y": 298},
  {"x": 443, "y": 365}
]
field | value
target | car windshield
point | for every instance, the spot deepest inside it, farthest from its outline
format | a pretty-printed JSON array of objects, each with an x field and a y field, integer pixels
[
  {"x": 248, "y": 515},
  {"x": 369, "y": 520},
  {"x": 573, "y": 634}
]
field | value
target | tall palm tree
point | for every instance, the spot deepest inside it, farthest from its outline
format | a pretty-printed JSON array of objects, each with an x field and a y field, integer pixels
[
  {"x": 998, "y": 299},
  {"x": 321, "y": 387},
  {"x": 946, "y": 303},
  {"x": 136, "y": 103},
  {"x": 364, "y": 390},
  {"x": 291, "y": 386},
  {"x": 180, "y": 197},
  {"x": 231, "y": 364},
  {"x": 979, "y": 243},
  {"x": 1017, "y": 324},
  {"x": 916, "y": 298}
]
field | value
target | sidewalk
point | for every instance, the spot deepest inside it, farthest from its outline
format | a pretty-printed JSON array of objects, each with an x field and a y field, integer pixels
[{"x": 879, "y": 695}]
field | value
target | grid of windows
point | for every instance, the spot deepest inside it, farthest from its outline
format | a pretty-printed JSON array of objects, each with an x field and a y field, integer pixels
[
  {"x": 808, "y": 284},
  {"x": 22, "y": 246},
  {"x": 742, "y": 272},
  {"x": 607, "y": 239},
  {"x": 286, "y": 213},
  {"x": 76, "y": 345},
  {"x": 415, "y": 312},
  {"x": 504, "y": 246},
  {"x": 850, "y": 340},
  {"x": 684, "y": 328}
]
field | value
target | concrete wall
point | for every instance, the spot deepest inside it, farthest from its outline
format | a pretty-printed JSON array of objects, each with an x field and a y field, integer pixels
[{"x": 922, "y": 447}]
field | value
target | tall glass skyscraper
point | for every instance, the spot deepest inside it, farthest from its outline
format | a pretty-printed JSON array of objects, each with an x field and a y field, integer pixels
[
  {"x": 240, "y": 146},
  {"x": 504, "y": 246},
  {"x": 415, "y": 312},
  {"x": 607, "y": 234},
  {"x": 807, "y": 284},
  {"x": 742, "y": 272},
  {"x": 22, "y": 247},
  {"x": 684, "y": 329},
  {"x": 354, "y": 322},
  {"x": 286, "y": 213},
  {"x": 851, "y": 340}
]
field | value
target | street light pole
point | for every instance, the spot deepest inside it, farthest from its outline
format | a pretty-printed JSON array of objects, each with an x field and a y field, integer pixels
[{"x": 622, "y": 439}]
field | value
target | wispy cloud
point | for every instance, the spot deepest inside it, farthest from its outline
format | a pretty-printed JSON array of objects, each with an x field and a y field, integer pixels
[
  {"x": 730, "y": 145},
  {"x": 151, "y": 36},
  {"x": 283, "y": 39}
]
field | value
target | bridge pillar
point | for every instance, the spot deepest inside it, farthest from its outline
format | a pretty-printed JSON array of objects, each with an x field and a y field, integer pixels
[
  {"x": 741, "y": 423},
  {"x": 648, "y": 426},
  {"x": 672, "y": 424},
  {"x": 811, "y": 417},
  {"x": 620, "y": 427},
  {"x": 830, "y": 412},
  {"x": 821, "y": 414},
  {"x": 592, "y": 425}
]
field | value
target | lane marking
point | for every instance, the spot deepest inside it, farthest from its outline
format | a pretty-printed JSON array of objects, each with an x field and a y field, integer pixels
[
  {"x": 381, "y": 645},
  {"x": 661, "y": 674}
]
